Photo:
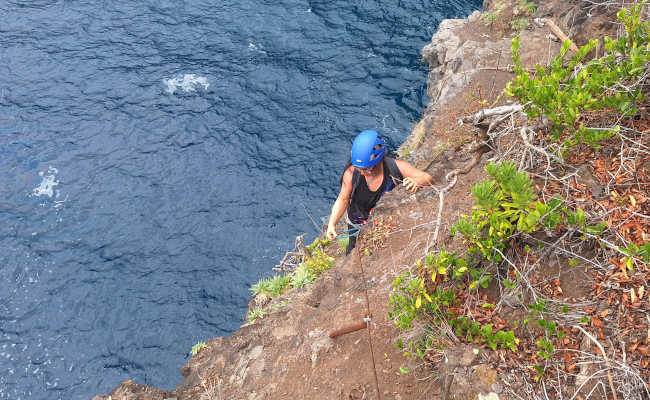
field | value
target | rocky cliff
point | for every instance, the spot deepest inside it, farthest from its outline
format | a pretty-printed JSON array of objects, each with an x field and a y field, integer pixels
[{"x": 289, "y": 353}]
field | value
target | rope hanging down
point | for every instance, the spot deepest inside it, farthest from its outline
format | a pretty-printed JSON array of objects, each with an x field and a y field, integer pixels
[
  {"x": 367, "y": 318},
  {"x": 367, "y": 321}
]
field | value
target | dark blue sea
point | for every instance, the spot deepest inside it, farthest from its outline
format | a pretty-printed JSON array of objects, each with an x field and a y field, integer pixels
[{"x": 157, "y": 157}]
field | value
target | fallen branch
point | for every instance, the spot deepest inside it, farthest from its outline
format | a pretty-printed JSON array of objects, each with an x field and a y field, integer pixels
[
  {"x": 293, "y": 258},
  {"x": 481, "y": 115},
  {"x": 537, "y": 149},
  {"x": 441, "y": 196},
  {"x": 452, "y": 177},
  {"x": 558, "y": 32},
  {"x": 602, "y": 351}
]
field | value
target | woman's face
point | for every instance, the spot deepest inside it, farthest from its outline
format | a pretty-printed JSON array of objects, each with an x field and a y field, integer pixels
[{"x": 370, "y": 171}]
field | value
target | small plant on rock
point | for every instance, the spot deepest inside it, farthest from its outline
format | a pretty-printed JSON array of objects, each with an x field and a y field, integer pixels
[
  {"x": 279, "y": 284},
  {"x": 491, "y": 17},
  {"x": 318, "y": 262},
  {"x": 262, "y": 289},
  {"x": 255, "y": 314},
  {"x": 302, "y": 276},
  {"x": 197, "y": 347}
]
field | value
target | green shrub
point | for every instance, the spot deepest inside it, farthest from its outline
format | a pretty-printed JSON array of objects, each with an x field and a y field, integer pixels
[
  {"x": 279, "y": 284},
  {"x": 525, "y": 7},
  {"x": 255, "y": 314},
  {"x": 197, "y": 347},
  {"x": 475, "y": 332},
  {"x": 506, "y": 205},
  {"x": 406, "y": 300},
  {"x": 562, "y": 93},
  {"x": 518, "y": 24},
  {"x": 262, "y": 288},
  {"x": 344, "y": 243},
  {"x": 302, "y": 276},
  {"x": 318, "y": 262},
  {"x": 317, "y": 244},
  {"x": 491, "y": 17}
]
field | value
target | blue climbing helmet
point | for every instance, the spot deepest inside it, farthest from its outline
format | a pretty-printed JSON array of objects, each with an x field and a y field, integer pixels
[{"x": 368, "y": 149}]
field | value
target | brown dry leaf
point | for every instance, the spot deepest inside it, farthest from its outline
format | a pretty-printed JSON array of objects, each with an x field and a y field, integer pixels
[
  {"x": 596, "y": 322},
  {"x": 633, "y": 347},
  {"x": 627, "y": 277},
  {"x": 604, "y": 313},
  {"x": 632, "y": 295},
  {"x": 641, "y": 290},
  {"x": 571, "y": 367}
]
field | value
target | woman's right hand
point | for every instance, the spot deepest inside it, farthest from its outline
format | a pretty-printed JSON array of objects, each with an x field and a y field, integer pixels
[{"x": 331, "y": 231}]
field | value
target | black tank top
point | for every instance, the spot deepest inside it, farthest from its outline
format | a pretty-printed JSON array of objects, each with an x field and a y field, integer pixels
[{"x": 363, "y": 200}]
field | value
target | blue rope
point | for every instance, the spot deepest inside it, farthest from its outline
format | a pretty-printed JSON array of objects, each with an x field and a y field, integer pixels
[{"x": 354, "y": 231}]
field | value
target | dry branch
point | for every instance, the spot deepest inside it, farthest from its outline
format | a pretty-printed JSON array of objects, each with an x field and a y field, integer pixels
[
  {"x": 602, "y": 351},
  {"x": 481, "y": 115},
  {"x": 558, "y": 32}
]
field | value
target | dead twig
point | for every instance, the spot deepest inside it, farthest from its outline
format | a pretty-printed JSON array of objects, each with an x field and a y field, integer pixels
[
  {"x": 602, "y": 351},
  {"x": 485, "y": 113},
  {"x": 558, "y": 32}
]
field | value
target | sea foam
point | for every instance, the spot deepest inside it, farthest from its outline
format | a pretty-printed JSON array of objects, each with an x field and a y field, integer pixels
[
  {"x": 187, "y": 83},
  {"x": 46, "y": 187}
]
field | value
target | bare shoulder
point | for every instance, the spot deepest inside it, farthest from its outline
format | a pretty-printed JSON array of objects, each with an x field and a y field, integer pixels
[
  {"x": 346, "y": 182},
  {"x": 406, "y": 168},
  {"x": 347, "y": 175}
]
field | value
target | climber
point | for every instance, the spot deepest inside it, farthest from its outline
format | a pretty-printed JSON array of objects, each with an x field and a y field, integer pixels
[{"x": 380, "y": 175}]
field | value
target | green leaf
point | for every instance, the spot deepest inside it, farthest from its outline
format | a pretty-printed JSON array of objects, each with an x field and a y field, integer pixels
[{"x": 403, "y": 370}]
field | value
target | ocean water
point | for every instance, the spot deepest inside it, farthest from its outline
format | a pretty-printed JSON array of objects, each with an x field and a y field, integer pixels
[{"x": 158, "y": 157}]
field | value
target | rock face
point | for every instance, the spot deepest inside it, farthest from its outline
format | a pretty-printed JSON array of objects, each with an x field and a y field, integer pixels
[
  {"x": 453, "y": 59},
  {"x": 288, "y": 354}
]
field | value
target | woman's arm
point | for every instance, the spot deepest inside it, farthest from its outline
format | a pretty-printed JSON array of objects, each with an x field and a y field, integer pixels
[
  {"x": 341, "y": 203},
  {"x": 413, "y": 177}
]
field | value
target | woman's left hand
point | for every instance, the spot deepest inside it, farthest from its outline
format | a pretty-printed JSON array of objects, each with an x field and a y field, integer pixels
[{"x": 411, "y": 184}]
